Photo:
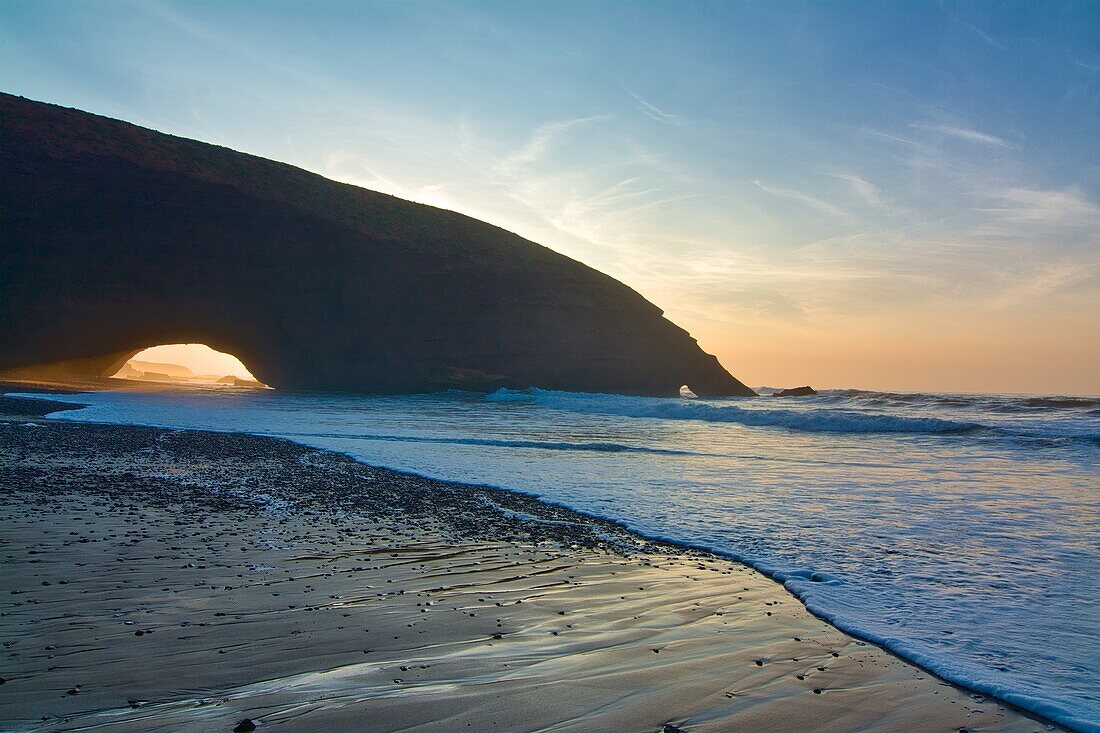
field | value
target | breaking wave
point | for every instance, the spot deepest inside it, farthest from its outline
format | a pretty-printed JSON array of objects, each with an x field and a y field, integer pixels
[{"x": 817, "y": 421}]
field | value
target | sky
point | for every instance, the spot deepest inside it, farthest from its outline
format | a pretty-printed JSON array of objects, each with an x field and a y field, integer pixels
[
  {"x": 199, "y": 358},
  {"x": 886, "y": 195}
]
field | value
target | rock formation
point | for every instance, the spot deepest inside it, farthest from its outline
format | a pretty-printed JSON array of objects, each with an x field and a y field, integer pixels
[
  {"x": 116, "y": 238},
  {"x": 796, "y": 392},
  {"x": 172, "y": 370}
]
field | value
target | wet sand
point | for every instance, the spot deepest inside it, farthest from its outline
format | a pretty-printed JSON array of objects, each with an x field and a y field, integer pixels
[{"x": 159, "y": 580}]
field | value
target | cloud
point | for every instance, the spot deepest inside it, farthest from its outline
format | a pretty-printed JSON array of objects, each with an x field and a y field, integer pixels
[
  {"x": 803, "y": 198},
  {"x": 1039, "y": 205},
  {"x": 867, "y": 191},
  {"x": 982, "y": 34},
  {"x": 540, "y": 141},
  {"x": 1093, "y": 67},
  {"x": 973, "y": 233},
  {"x": 594, "y": 196},
  {"x": 1047, "y": 280},
  {"x": 964, "y": 133},
  {"x": 652, "y": 110}
]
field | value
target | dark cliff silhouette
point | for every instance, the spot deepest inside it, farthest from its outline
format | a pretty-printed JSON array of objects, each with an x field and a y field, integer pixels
[{"x": 115, "y": 238}]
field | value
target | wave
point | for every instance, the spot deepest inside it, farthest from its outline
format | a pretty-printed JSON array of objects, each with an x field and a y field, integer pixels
[
  {"x": 992, "y": 402},
  {"x": 1074, "y": 403},
  {"x": 1032, "y": 421},
  {"x": 598, "y": 447},
  {"x": 817, "y": 421}
]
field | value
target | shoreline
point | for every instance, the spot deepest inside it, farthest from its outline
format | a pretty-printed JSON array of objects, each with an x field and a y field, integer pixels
[{"x": 497, "y": 514}]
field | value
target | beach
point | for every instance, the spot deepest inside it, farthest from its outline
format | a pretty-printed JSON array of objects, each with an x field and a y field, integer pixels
[{"x": 183, "y": 580}]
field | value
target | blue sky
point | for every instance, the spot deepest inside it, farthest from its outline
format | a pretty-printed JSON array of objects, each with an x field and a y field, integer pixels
[{"x": 890, "y": 195}]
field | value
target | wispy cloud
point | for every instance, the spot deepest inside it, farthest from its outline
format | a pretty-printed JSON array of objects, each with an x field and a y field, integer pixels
[
  {"x": 887, "y": 136},
  {"x": 542, "y": 137},
  {"x": 981, "y": 34},
  {"x": 964, "y": 133},
  {"x": 803, "y": 198},
  {"x": 653, "y": 110},
  {"x": 1038, "y": 205},
  {"x": 1046, "y": 280},
  {"x": 864, "y": 189},
  {"x": 1093, "y": 67}
]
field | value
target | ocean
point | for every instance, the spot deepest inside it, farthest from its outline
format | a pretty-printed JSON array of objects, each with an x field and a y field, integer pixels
[{"x": 960, "y": 531}]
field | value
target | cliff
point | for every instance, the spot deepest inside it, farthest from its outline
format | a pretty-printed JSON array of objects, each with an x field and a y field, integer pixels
[{"x": 116, "y": 238}]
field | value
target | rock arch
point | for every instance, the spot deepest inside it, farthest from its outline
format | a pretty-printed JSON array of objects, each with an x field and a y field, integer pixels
[{"x": 116, "y": 237}]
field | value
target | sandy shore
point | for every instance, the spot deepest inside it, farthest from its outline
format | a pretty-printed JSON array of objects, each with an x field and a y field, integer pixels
[{"x": 159, "y": 580}]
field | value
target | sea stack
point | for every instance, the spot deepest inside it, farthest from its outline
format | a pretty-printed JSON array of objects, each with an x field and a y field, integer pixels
[
  {"x": 116, "y": 238},
  {"x": 796, "y": 392}
]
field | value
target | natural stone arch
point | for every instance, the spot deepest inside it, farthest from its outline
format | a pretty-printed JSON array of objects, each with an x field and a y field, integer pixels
[{"x": 116, "y": 237}]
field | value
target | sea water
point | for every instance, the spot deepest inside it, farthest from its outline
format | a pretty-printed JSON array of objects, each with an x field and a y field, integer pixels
[{"x": 961, "y": 532}]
